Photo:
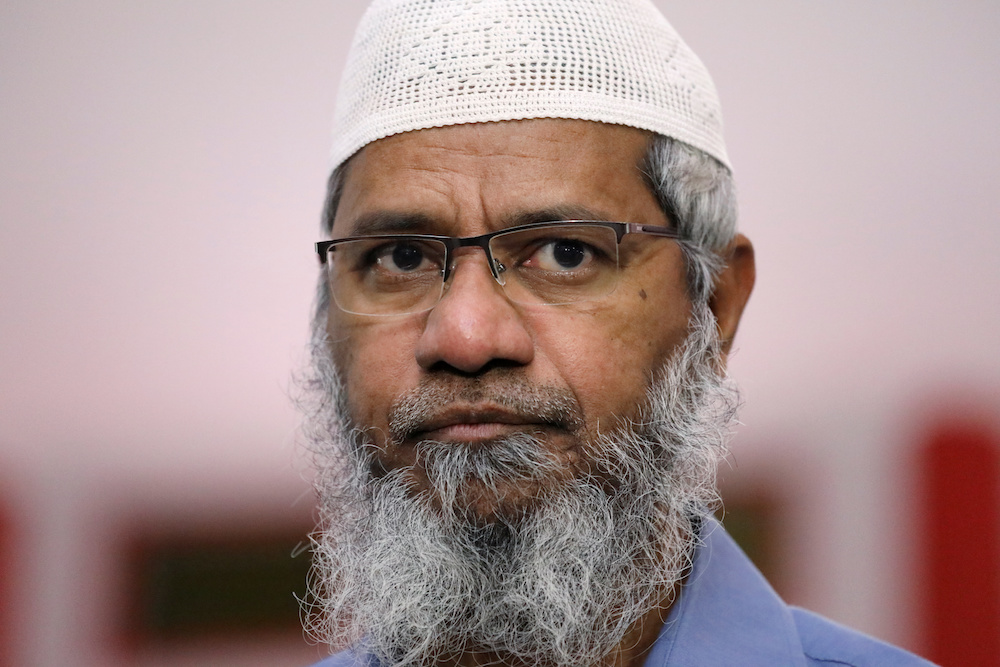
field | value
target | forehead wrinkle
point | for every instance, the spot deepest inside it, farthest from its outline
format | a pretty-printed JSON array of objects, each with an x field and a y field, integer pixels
[
  {"x": 442, "y": 157},
  {"x": 464, "y": 191}
]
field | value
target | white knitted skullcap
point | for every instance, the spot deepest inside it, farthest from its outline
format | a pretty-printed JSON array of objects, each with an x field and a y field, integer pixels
[{"x": 417, "y": 64}]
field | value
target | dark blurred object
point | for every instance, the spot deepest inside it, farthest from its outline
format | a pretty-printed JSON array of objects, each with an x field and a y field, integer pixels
[
  {"x": 227, "y": 583},
  {"x": 753, "y": 519},
  {"x": 6, "y": 584}
]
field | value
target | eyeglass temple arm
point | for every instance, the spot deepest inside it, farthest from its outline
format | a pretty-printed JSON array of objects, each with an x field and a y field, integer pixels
[
  {"x": 321, "y": 249},
  {"x": 652, "y": 230}
]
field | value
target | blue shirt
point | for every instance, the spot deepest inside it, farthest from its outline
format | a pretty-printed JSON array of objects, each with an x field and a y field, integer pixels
[{"x": 729, "y": 615}]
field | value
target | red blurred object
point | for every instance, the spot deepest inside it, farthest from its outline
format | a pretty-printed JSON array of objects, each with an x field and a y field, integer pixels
[{"x": 960, "y": 488}]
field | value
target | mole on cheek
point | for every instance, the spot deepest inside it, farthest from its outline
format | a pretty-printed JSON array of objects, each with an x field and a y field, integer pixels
[{"x": 642, "y": 294}]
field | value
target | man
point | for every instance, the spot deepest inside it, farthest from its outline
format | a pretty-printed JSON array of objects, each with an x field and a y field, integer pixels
[{"x": 519, "y": 396}]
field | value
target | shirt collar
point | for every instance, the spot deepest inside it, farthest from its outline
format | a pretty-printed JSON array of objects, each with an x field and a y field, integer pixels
[{"x": 727, "y": 614}]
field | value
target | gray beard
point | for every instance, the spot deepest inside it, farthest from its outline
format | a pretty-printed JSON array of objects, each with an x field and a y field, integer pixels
[{"x": 419, "y": 580}]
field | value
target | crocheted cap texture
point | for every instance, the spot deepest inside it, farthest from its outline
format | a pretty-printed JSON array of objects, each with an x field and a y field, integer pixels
[{"x": 417, "y": 64}]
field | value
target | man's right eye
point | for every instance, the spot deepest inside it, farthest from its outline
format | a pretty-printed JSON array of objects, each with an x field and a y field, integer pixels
[{"x": 401, "y": 257}]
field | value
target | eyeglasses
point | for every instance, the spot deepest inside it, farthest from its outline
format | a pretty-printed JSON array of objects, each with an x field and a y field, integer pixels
[{"x": 550, "y": 263}]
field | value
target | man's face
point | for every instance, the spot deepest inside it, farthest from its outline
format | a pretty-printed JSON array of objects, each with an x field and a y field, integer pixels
[{"x": 489, "y": 363}]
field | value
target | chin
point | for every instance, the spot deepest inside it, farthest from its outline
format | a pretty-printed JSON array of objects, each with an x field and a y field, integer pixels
[{"x": 509, "y": 505}]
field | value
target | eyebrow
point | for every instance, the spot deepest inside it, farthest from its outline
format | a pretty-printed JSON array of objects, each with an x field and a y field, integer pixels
[
  {"x": 392, "y": 222},
  {"x": 554, "y": 214}
]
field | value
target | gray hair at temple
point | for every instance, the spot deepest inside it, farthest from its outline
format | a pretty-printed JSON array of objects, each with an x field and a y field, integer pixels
[{"x": 418, "y": 64}]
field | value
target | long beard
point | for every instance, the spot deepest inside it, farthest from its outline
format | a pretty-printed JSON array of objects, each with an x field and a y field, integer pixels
[{"x": 420, "y": 580}]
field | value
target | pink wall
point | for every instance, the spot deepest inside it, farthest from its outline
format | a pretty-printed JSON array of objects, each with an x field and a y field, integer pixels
[{"x": 160, "y": 180}]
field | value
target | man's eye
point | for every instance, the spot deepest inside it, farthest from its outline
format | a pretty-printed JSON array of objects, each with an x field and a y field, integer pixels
[
  {"x": 563, "y": 255},
  {"x": 401, "y": 257}
]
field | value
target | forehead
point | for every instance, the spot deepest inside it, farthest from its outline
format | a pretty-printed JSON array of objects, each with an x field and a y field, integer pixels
[{"x": 472, "y": 178}]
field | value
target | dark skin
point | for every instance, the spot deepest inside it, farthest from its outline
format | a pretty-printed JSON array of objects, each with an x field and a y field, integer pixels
[{"x": 470, "y": 179}]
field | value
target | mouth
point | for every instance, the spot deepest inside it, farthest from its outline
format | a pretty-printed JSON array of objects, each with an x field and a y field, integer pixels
[{"x": 470, "y": 423}]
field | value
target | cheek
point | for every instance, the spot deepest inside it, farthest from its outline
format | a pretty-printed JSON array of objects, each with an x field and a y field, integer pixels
[
  {"x": 607, "y": 356},
  {"x": 375, "y": 359}
]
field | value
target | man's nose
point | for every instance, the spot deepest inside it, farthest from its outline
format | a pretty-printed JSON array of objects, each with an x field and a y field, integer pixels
[{"x": 474, "y": 323}]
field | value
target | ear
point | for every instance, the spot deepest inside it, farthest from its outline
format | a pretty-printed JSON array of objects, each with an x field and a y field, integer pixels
[{"x": 732, "y": 290}]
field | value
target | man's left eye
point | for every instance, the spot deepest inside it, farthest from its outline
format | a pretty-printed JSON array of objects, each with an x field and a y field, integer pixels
[{"x": 563, "y": 255}]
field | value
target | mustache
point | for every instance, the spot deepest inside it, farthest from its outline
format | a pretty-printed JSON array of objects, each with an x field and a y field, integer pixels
[{"x": 502, "y": 390}]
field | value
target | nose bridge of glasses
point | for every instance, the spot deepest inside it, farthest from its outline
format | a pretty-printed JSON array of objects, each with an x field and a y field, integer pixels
[{"x": 456, "y": 248}]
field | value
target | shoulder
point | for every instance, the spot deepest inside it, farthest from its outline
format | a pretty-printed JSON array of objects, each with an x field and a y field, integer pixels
[
  {"x": 346, "y": 658},
  {"x": 727, "y": 614},
  {"x": 826, "y": 643}
]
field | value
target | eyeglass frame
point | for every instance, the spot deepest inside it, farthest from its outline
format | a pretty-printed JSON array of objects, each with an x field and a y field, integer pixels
[{"x": 453, "y": 243}]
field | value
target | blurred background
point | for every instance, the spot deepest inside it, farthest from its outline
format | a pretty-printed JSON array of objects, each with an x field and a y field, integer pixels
[{"x": 161, "y": 174}]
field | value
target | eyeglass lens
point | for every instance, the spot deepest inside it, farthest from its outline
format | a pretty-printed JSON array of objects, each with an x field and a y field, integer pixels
[{"x": 558, "y": 264}]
